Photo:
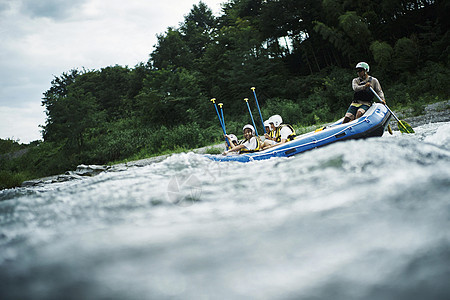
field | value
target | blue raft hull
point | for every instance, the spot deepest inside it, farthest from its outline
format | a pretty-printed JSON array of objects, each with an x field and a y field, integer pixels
[{"x": 371, "y": 124}]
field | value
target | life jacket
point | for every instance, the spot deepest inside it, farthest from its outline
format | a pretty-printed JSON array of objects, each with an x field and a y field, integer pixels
[
  {"x": 271, "y": 134},
  {"x": 365, "y": 95},
  {"x": 277, "y": 133},
  {"x": 258, "y": 146}
]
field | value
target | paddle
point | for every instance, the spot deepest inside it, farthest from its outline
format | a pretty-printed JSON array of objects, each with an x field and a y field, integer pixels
[
  {"x": 402, "y": 125},
  {"x": 213, "y": 100},
  {"x": 259, "y": 110},
  {"x": 251, "y": 116},
  {"x": 223, "y": 119}
]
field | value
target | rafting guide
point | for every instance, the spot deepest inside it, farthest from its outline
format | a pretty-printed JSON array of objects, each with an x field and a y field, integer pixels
[{"x": 363, "y": 96}]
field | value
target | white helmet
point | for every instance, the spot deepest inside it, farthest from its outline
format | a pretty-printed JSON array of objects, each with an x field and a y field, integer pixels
[
  {"x": 248, "y": 126},
  {"x": 233, "y": 138},
  {"x": 267, "y": 123},
  {"x": 363, "y": 65},
  {"x": 276, "y": 120}
]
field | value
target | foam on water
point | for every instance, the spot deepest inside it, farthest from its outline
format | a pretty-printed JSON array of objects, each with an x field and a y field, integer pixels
[{"x": 359, "y": 219}]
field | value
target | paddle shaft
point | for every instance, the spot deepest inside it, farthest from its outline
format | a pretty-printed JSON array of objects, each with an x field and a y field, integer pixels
[
  {"x": 259, "y": 110},
  {"x": 223, "y": 119},
  {"x": 221, "y": 122},
  {"x": 220, "y": 119},
  {"x": 251, "y": 116}
]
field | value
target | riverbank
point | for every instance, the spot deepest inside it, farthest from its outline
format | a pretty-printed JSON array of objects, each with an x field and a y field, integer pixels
[
  {"x": 433, "y": 113},
  {"x": 83, "y": 171}
]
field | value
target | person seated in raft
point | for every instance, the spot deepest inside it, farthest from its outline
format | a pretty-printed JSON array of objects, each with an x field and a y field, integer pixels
[
  {"x": 282, "y": 133},
  {"x": 232, "y": 140},
  {"x": 269, "y": 132},
  {"x": 251, "y": 143},
  {"x": 363, "y": 96}
]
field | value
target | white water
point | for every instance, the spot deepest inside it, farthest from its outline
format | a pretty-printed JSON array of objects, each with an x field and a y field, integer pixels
[{"x": 366, "y": 219}]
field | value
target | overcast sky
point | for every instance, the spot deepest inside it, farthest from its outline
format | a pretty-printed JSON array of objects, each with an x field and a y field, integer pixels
[{"x": 40, "y": 39}]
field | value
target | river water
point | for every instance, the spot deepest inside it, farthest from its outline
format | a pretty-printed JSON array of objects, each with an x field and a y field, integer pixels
[{"x": 365, "y": 219}]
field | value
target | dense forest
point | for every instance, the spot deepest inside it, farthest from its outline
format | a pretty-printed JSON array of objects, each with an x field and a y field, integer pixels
[{"x": 299, "y": 54}]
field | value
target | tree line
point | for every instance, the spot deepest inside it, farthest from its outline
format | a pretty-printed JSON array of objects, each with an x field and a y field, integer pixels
[{"x": 299, "y": 54}]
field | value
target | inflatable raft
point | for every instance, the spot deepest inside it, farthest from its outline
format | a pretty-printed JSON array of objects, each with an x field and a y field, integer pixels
[{"x": 371, "y": 124}]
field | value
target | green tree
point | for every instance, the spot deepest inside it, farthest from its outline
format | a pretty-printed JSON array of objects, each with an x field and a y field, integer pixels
[
  {"x": 198, "y": 29},
  {"x": 171, "y": 51},
  {"x": 71, "y": 111},
  {"x": 112, "y": 88},
  {"x": 53, "y": 103},
  {"x": 406, "y": 55},
  {"x": 382, "y": 53}
]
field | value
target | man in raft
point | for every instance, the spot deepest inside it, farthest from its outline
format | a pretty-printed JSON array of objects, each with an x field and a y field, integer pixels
[
  {"x": 250, "y": 144},
  {"x": 363, "y": 96}
]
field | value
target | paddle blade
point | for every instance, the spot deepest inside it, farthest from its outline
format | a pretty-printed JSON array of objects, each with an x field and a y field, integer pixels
[
  {"x": 390, "y": 129},
  {"x": 319, "y": 129},
  {"x": 404, "y": 127}
]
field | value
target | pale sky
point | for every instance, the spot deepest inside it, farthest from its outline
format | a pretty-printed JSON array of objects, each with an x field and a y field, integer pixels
[{"x": 40, "y": 39}]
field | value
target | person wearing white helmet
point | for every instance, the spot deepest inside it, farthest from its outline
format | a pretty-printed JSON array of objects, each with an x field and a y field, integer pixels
[
  {"x": 282, "y": 133},
  {"x": 232, "y": 140},
  {"x": 269, "y": 132},
  {"x": 250, "y": 144},
  {"x": 363, "y": 96}
]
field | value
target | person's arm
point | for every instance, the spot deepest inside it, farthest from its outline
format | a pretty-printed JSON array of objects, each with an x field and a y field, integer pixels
[
  {"x": 248, "y": 144},
  {"x": 377, "y": 87},
  {"x": 267, "y": 144},
  {"x": 356, "y": 87},
  {"x": 233, "y": 149},
  {"x": 227, "y": 140}
]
